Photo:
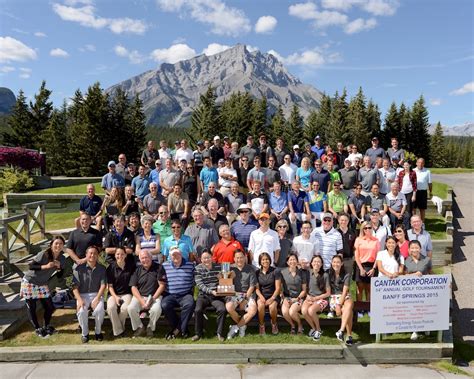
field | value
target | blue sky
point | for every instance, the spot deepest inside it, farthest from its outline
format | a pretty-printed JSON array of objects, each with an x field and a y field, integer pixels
[{"x": 395, "y": 49}]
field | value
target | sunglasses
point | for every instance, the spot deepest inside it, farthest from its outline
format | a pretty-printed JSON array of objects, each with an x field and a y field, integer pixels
[
  {"x": 281, "y": 226},
  {"x": 176, "y": 227},
  {"x": 398, "y": 231},
  {"x": 327, "y": 219},
  {"x": 163, "y": 213},
  {"x": 244, "y": 211},
  {"x": 367, "y": 228},
  {"x": 245, "y": 160}
]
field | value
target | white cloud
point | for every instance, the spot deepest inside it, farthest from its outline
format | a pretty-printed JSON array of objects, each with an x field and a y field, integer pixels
[
  {"x": 87, "y": 47},
  {"x": 59, "y": 53},
  {"x": 374, "y": 7},
  {"x": 265, "y": 24},
  {"x": 40, "y": 34},
  {"x": 224, "y": 20},
  {"x": 133, "y": 56},
  {"x": 466, "y": 88},
  {"x": 435, "y": 102},
  {"x": 86, "y": 16},
  {"x": 312, "y": 57},
  {"x": 304, "y": 11},
  {"x": 321, "y": 19},
  {"x": 173, "y": 54},
  {"x": 251, "y": 48},
  {"x": 215, "y": 48},
  {"x": 25, "y": 73},
  {"x": 276, "y": 55},
  {"x": 359, "y": 25},
  {"x": 12, "y": 50},
  {"x": 6, "y": 69}
]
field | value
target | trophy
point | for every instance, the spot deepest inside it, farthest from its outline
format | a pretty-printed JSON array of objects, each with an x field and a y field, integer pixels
[{"x": 225, "y": 286}]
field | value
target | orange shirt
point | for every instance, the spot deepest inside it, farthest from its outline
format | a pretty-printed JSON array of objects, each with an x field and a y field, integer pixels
[
  {"x": 366, "y": 249},
  {"x": 224, "y": 252}
]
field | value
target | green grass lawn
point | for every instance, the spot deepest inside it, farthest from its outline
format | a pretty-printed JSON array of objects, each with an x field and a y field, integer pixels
[
  {"x": 436, "y": 226},
  {"x": 451, "y": 170},
  {"x": 440, "y": 190},
  {"x": 76, "y": 189}
]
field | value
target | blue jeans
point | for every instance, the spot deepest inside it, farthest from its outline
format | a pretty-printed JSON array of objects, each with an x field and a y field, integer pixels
[{"x": 168, "y": 305}]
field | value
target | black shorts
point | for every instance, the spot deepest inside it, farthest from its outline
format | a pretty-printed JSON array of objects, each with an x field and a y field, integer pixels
[
  {"x": 364, "y": 279},
  {"x": 421, "y": 201}
]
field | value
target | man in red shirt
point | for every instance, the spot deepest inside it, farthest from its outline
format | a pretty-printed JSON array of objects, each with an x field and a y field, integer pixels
[{"x": 223, "y": 251}]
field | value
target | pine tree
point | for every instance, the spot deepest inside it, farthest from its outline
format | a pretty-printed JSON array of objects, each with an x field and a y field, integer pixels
[
  {"x": 419, "y": 130},
  {"x": 404, "y": 139},
  {"x": 259, "y": 119},
  {"x": 120, "y": 122},
  {"x": 339, "y": 131},
  {"x": 205, "y": 120},
  {"x": 294, "y": 132},
  {"x": 357, "y": 121},
  {"x": 56, "y": 142},
  {"x": 311, "y": 126},
  {"x": 137, "y": 129},
  {"x": 438, "y": 148},
  {"x": 391, "y": 125},
  {"x": 21, "y": 132},
  {"x": 374, "y": 124},
  {"x": 40, "y": 111},
  {"x": 279, "y": 124},
  {"x": 324, "y": 119}
]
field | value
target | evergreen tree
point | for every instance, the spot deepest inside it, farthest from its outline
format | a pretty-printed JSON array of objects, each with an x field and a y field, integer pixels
[
  {"x": 21, "y": 132},
  {"x": 324, "y": 119},
  {"x": 294, "y": 132},
  {"x": 419, "y": 130},
  {"x": 311, "y": 126},
  {"x": 40, "y": 111},
  {"x": 392, "y": 125},
  {"x": 404, "y": 136},
  {"x": 339, "y": 131},
  {"x": 259, "y": 119},
  {"x": 205, "y": 120},
  {"x": 374, "y": 124},
  {"x": 438, "y": 148},
  {"x": 120, "y": 124},
  {"x": 357, "y": 121},
  {"x": 236, "y": 116},
  {"x": 137, "y": 129},
  {"x": 56, "y": 142},
  {"x": 279, "y": 124}
]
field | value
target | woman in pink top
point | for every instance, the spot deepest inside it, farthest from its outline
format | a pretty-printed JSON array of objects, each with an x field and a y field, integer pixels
[
  {"x": 407, "y": 185},
  {"x": 402, "y": 240},
  {"x": 366, "y": 248}
]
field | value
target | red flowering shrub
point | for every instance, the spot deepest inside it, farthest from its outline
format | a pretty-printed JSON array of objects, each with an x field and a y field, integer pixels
[{"x": 20, "y": 157}]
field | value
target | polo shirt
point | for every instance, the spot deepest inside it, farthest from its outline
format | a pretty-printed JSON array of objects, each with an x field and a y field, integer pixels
[
  {"x": 358, "y": 201},
  {"x": 367, "y": 178},
  {"x": 288, "y": 172},
  {"x": 91, "y": 206},
  {"x": 154, "y": 177},
  {"x": 348, "y": 240},
  {"x": 112, "y": 180},
  {"x": 234, "y": 202},
  {"x": 293, "y": 285},
  {"x": 304, "y": 176},
  {"x": 278, "y": 203},
  {"x": 329, "y": 244},
  {"x": 162, "y": 228},
  {"x": 241, "y": 231},
  {"x": 279, "y": 155},
  {"x": 423, "y": 265},
  {"x": 261, "y": 242},
  {"x": 376, "y": 201},
  {"x": 226, "y": 171},
  {"x": 244, "y": 278},
  {"x": 424, "y": 238},
  {"x": 250, "y": 152},
  {"x": 386, "y": 179},
  {"x": 224, "y": 251},
  {"x": 87, "y": 279},
  {"x": 323, "y": 178},
  {"x": 177, "y": 203},
  {"x": 313, "y": 283},
  {"x": 337, "y": 201},
  {"x": 207, "y": 279},
  {"x": 141, "y": 186},
  {"x": 216, "y": 154},
  {"x": 298, "y": 200},
  {"x": 273, "y": 175},
  {"x": 382, "y": 232},
  {"x": 169, "y": 177},
  {"x": 202, "y": 237},
  {"x": 316, "y": 201},
  {"x": 119, "y": 278},
  {"x": 179, "y": 279},
  {"x": 259, "y": 175},
  {"x": 146, "y": 281},
  {"x": 337, "y": 284},
  {"x": 305, "y": 248},
  {"x": 392, "y": 153},
  {"x": 184, "y": 154},
  {"x": 206, "y": 196},
  {"x": 217, "y": 222},
  {"x": 208, "y": 175},
  {"x": 348, "y": 177},
  {"x": 266, "y": 281},
  {"x": 150, "y": 157},
  {"x": 366, "y": 249},
  {"x": 79, "y": 240},
  {"x": 152, "y": 204},
  {"x": 319, "y": 151},
  {"x": 396, "y": 203},
  {"x": 41, "y": 277},
  {"x": 423, "y": 178},
  {"x": 184, "y": 243},
  {"x": 374, "y": 154},
  {"x": 257, "y": 201},
  {"x": 114, "y": 239}
]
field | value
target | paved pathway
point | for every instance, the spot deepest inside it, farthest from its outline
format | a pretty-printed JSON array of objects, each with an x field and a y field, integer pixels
[
  {"x": 463, "y": 253},
  {"x": 118, "y": 371}
]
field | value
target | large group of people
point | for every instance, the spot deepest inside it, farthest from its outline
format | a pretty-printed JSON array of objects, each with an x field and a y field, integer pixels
[{"x": 297, "y": 226}]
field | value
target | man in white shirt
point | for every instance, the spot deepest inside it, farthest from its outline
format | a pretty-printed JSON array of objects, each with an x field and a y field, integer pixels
[
  {"x": 329, "y": 240},
  {"x": 387, "y": 177},
  {"x": 354, "y": 155},
  {"x": 264, "y": 240},
  {"x": 423, "y": 185},
  {"x": 421, "y": 235},
  {"x": 184, "y": 152},
  {"x": 287, "y": 172},
  {"x": 397, "y": 204},
  {"x": 227, "y": 176},
  {"x": 305, "y": 246}
]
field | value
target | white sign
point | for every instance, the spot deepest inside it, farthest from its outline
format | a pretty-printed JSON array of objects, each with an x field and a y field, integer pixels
[{"x": 409, "y": 304}]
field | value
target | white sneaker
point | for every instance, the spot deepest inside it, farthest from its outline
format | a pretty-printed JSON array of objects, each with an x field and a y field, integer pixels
[
  {"x": 414, "y": 336},
  {"x": 360, "y": 315},
  {"x": 311, "y": 332},
  {"x": 331, "y": 315},
  {"x": 233, "y": 330},
  {"x": 316, "y": 335},
  {"x": 340, "y": 335},
  {"x": 242, "y": 330}
]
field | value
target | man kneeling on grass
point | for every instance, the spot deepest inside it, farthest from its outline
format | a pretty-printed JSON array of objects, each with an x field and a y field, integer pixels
[
  {"x": 89, "y": 280},
  {"x": 245, "y": 282}
]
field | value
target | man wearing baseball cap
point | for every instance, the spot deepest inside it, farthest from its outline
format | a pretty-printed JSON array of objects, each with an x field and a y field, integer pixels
[
  {"x": 112, "y": 179},
  {"x": 375, "y": 151},
  {"x": 217, "y": 152}
]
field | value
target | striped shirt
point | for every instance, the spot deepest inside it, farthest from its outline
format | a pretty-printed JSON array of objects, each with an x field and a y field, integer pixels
[
  {"x": 179, "y": 280},
  {"x": 207, "y": 279},
  {"x": 329, "y": 244}
]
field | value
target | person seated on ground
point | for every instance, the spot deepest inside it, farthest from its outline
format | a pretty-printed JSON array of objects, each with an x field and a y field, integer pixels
[
  {"x": 134, "y": 223},
  {"x": 278, "y": 204},
  {"x": 178, "y": 205},
  {"x": 417, "y": 265},
  {"x": 305, "y": 246},
  {"x": 89, "y": 282},
  {"x": 294, "y": 287},
  {"x": 341, "y": 303},
  {"x": 418, "y": 232},
  {"x": 348, "y": 239},
  {"x": 227, "y": 176},
  {"x": 206, "y": 277},
  {"x": 245, "y": 282},
  {"x": 233, "y": 201},
  {"x": 257, "y": 200},
  {"x": 213, "y": 217},
  {"x": 148, "y": 240},
  {"x": 34, "y": 284},
  {"x": 162, "y": 225},
  {"x": 366, "y": 248},
  {"x": 132, "y": 203},
  {"x": 177, "y": 239},
  {"x": 223, "y": 251},
  {"x": 319, "y": 290},
  {"x": 212, "y": 194},
  {"x": 397, "y": 205},
  {"x": 112, "y": 206},
  {"x": 112, "y": 179},
  {"x": 318, "y": 204},
  {"x": 376, "y": 200},
  {"x": 147, "y": 293},
  {"x": 153, "y": 201},
  {"x": 263, "y": 239},
  {"x": 119, "y": 291},
  {"x": 141, "y": 183},
  {"x": 298, "y": 206},
  {"x": 80, "y": 239},
  {"x": 177, "y": 275},
  {"x": 389, "y": 261},
  {"x": 119, "y": 236},
  {"x": 357, "y": 205},
  {"x": 91, "y": 204},
  {"x": 203, "y": 236},
  {"x": 268, "y": 292}
]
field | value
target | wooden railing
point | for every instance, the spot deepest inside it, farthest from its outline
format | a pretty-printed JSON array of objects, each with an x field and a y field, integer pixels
[{"x": 19, "y": 237}]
